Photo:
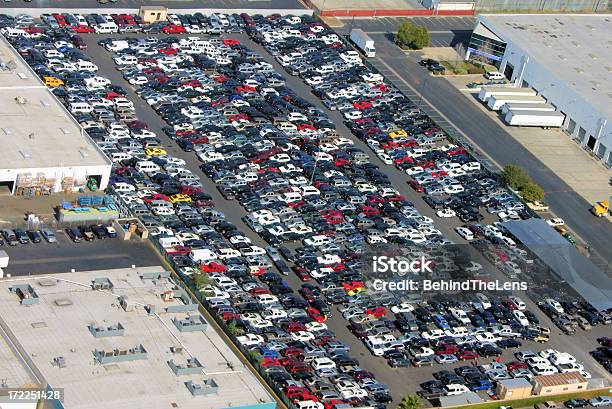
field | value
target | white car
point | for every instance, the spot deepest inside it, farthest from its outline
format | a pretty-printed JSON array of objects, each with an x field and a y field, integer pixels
[
  {"x": 403, "y": 307},
  {"x": 601, "y": 401},
  {"x": 494, "y": 75},
  {"x": 446, "y": 213},
  {"x": 555, "y": 222},
  {"x": 465, "y": 233},
  {"x": 251, "y": 340}
]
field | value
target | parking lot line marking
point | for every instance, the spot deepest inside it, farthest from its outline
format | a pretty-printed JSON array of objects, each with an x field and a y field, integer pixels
[{"x": 423, "y": 98}]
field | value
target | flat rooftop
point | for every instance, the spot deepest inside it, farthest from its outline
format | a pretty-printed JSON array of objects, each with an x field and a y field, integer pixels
[
  {"x": 35, "y": 129},
  {"x": 577, "y": 49},
  {"x": 59, "y": 325}
]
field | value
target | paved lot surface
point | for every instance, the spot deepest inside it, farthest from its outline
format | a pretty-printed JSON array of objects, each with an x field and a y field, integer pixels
[
  {"x": 445, "y": 104},
  {"x": 60, "y": 257},
  {"x": 410, "y": 377},
  {"x": 444, "y": 31},
  {"x": 184, "y": 4},
  {"x": 556, "y": 150}
]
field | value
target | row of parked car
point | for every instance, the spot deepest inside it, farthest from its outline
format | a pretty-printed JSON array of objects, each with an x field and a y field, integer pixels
[
  {"x": 197, "y": 23},
  {"x": 603, "y": 353},
  {"x": 14, "y": 237},
  {"x": 483, "y": 378}
]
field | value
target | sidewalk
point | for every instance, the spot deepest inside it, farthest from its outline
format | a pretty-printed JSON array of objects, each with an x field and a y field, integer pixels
[{"x": 555, "y": 149}]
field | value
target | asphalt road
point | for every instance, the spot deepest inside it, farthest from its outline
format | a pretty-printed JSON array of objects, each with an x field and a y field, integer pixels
[
  {"x": 447, "y": 106},
  {"x": 174, "y": 4},
  {"x": 409, "y": 377},
  {"x": 444, "y": 31},
  {"x": 61, "y": 257}
]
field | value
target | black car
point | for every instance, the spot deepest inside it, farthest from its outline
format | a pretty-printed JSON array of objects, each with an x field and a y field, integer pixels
[
  {"x": 22, "y": 236},
  {"x": 74, "y": 234},
  {"x": 34, "y": 236},
  {"x": 100, "y": 231},
  {"x": 428, "y": 61},
  {"x": 576, "y": 403}
]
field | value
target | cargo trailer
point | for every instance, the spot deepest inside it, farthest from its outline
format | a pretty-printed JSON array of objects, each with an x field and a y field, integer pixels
[
  {"x": 516, "y": 106},
  {"x": 486, "y": 92},
  {"x": 496, "y": 101},
  {"x": 543, "y": 119}
]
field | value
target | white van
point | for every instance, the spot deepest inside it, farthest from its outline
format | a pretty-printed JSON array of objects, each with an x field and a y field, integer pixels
[
  {"x": 119, "y": 156},
  {"x": 168, "y": 242},
  {"x": 106, "y": 28},
  {"x": 80, "y": 107},
  {"x": 147, "y": 166},
  {"x": 83, "y": 65}
]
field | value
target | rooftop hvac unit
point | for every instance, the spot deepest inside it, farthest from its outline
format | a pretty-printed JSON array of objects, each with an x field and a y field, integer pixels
[
  {"x": 21, "y": 100},
  {"x": 168, "y": 295}
]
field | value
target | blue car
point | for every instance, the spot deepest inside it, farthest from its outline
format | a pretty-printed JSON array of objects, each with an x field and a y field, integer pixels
[
  {"x": 440, "y": 322},
  {"x": 480, "y": 385}
]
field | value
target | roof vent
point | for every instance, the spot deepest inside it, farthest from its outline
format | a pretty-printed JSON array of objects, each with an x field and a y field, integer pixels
[
  {"x": 562, "y": 57},
  {"x": 65, "y": 131},
  {"x": 44, "y": 103},
  {"x": 576, "y": 43},
  {"x": 83, "y": 153},
  {"x": 21, "y": 100},
  {"x": 7, "y": 131},
  {"x": 25, "y": 154},
  {"x": 579, "y": 70},
  {"x": 609, "y": 68},
  {"x": 22, "y": 76}
]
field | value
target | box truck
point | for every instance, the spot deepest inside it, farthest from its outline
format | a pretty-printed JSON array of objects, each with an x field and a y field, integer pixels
[
  {"x": 519, "y": 106},
  {"x": 363, "y": 42},
  {"x": 535, "y": 118},
  {"x": 486, "y": 92},
  {"x": 496, "y": 101}
]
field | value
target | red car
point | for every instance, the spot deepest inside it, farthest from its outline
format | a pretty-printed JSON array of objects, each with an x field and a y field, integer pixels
[
  {"x": 212, "y": 267},
  {"x": 168, "y": 51},
  {"x": 269, "y": 362},
  {"x": 516, "y": 365},
  {"x": 231, "y": 42},
  {"x": 82, "y": 29},
  {"x": 173, "y": 29},
  {"x": 379, "y": 311},
  {"x": 446, "y": 349},
  {"x": 466, "y": 355},
  {"x": 180, "y": 249},
  {"x": 316, "y": 315},
  {"x": 295, "y": 326},
  {"x": 362, "y": 105},
  {"x": 416, "y": 186}
]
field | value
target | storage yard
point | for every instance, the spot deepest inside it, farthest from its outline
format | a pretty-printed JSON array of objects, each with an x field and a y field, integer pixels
[{"x": 264, "y": 159}]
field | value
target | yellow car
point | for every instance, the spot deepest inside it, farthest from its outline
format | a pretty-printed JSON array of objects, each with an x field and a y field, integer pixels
[
  {"x": 155, "y": 151},
  {"x": 178, "y": 198},
  {"x": 52, "y": 81},
  {"x": 399, "y": 133}
]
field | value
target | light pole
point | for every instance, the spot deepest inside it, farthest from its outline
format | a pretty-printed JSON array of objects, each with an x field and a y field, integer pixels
[{"x": 314, "y": 170}]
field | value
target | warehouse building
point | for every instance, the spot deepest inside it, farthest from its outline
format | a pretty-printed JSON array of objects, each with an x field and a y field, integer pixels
[
  {"x": 566, "y": 58},
  {"x": 125, "y": 338},
  {"x": 44, "y": 150}
]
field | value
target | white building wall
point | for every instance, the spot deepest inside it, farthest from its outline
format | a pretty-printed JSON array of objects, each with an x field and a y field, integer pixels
[
  {"x": 575, "y": 107},
  {"x": 59, "y": 173}
]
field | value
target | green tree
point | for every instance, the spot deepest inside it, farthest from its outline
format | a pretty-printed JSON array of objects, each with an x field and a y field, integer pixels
[
  {"x": 411, "y": 36},
  {"x": 532, "y": 192},
  {"x": 232, "y": 328},
  {"x": 409, "y": 402},
  {"x": 515, "y": 177},
  {"x": 201, "y": 280}
]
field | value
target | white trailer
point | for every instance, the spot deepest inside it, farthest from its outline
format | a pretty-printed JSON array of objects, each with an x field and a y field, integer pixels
[
  {"x": 542, "y": 119},
  {"x": 363, "y": 42},
  {"x": 4, "y": 259},
  {"x": 511, "y": 106},
  {"x": 486, "y": 92},
  {"x": 496, "y": 101}
]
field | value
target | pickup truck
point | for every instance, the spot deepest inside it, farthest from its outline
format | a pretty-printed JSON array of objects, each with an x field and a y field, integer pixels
[
  {"x": 480, "y": 385},
  {"x": 538, "y": 206}
]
